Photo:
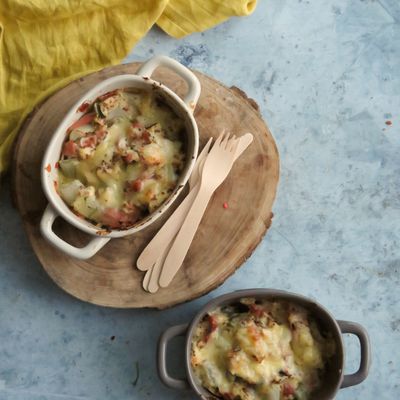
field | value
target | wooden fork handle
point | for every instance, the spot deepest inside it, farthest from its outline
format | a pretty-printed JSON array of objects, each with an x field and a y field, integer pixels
[
  {"x": 153, "y": 285},
  {"x": 184, "y": 238},
  {"x": 167, "y": 232},
  {"x": 146, "y": 279}
]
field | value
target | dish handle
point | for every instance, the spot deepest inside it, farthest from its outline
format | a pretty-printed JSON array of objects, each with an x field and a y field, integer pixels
[
  {"x": 193, "y": 83},
  {"x": 365, "y": 347},
  {"x": 170, "y": 333},
  {"x": 83, "y": 253}
]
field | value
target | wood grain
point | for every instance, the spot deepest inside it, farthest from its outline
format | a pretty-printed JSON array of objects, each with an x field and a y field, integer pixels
[{"x": 226, "y": 237}]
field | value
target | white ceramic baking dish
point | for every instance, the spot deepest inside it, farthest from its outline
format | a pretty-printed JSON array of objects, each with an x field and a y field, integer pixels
[{"x": 142, "y": 80}]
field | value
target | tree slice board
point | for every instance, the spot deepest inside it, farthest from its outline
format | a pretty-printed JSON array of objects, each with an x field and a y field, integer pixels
[{"x": 226, "y": 237}]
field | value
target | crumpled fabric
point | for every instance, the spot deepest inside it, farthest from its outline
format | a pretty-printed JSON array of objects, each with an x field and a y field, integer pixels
[{"x": 45, "y": 44}]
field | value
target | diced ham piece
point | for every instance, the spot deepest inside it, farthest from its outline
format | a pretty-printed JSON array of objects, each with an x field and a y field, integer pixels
[
  {"x": 137, "y": 185},
  {"x": 88, "y": 141},
  {"x": 129, "y": 158},
  {"x": 115, "y": 218},
  {"x": 70, "y": 149},
  {"x": 86, "y": 119},
  {"x": 288, "y": 390},
  {"x": 146, "y": 137},
  {"x": 213, "y": 325},
  {"x": 256, "y": 310},
  {"x": 137, "y": 125},
  {"x": 101, "y": 133},
  {"x": 108, "y": 94},
  {"x": 112, "y": 217},
  {"x": 84, "y": 106}
]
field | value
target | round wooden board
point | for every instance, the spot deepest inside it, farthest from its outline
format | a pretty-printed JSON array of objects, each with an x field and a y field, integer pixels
[{"x": 226, "y": 237}]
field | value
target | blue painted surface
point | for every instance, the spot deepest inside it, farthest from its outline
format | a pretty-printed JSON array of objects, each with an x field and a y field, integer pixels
[{"x": 326, "y": 76}]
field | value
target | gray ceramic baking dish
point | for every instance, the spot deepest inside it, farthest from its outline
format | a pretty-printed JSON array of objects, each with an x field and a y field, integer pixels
[{"x": 334, "y": 377}]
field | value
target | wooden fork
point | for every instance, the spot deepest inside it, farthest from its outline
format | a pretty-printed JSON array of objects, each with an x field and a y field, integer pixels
[
  {"x": 150, "y": 258},
  {"x": 216, "y": 168}
]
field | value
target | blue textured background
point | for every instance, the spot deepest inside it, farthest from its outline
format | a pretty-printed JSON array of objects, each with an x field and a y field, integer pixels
[{"x": 326, "y": 75}]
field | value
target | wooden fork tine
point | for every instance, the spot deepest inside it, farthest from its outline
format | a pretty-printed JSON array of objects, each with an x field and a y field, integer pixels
[
  {"x": 232, "y": 141},
  {"x": 206, "y": 148},
  {"x": 225, "y": 141},
  {"x": 233, "y": 145},
  {"x": 220, "y": 138}
]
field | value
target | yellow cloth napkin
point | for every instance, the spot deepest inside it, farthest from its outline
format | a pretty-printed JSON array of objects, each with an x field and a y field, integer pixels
[{"x": 44, "y": 44}]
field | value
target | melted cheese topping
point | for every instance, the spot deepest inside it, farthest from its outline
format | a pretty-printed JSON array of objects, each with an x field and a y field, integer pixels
[
  {"x": 121, "y": 159},
  {"x": 263, "y": 351}
]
